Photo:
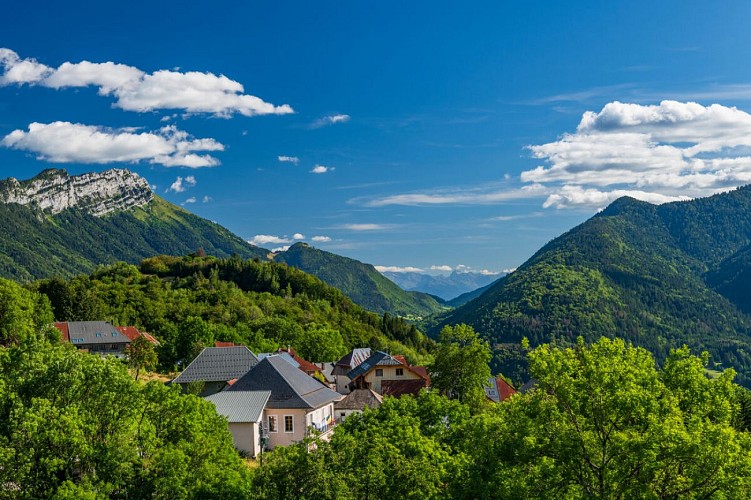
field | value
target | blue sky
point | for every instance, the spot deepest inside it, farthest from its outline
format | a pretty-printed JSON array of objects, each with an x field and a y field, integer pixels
[{"x": 404, "y": 134}]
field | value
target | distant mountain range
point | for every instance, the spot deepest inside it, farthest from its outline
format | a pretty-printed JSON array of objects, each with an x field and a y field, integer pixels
[
  {"x": 57, "y": 224},
  {"x": 360, "y": 282},
  {"x": 659, "y": 276},
  {"x": 447, "y": 287}
]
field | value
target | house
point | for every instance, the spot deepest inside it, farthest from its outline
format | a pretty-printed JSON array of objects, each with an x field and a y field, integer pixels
[
  {"x": 384, "y": 371},
  {"x": 133, "y": 333},
  {"x": 342, "y": 367},
  {"x": 244, "y": 412},
  {"x": 356, "y": 402},
  {"x": 216, "y": 368},
  {"x": 297, "y": 403},
  {"x": 497, "y": 389},
  {"x": 98, "y": 337},
  {"x": 306, "y": 366}
]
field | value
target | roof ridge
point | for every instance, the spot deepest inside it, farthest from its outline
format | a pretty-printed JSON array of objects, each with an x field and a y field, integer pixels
[{"x": 290, "y": 384}]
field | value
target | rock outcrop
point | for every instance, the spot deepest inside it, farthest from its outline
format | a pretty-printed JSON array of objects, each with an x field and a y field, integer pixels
[{"x": 54, "y": 191}]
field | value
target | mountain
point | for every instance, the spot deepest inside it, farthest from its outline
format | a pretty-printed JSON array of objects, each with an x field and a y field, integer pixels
[
  {"x": 659, "y": 276},
  {"x": 360, "y": 282},
  {"x": 466, "y": 297},
  {"x": 446, "y": 287},
  {"x": 57, "y": 224}
]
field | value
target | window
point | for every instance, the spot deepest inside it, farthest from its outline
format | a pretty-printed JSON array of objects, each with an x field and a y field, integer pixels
[
  {"x": 379, "y": 372},
  {"x": 115, "y": 346},
  {"x": 399, "y": 372},
  {"x": 272, "y": 423},
  {"x": 98, "y": 334},
  {"x": 114, "y": 334},
  {"x": 289, "y": 423}
]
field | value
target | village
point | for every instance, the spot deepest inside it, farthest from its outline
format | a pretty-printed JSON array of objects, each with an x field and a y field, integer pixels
[{"x": 278, "y": 398}]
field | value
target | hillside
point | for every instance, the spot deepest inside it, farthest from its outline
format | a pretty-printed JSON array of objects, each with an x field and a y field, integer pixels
[
  {"x": 56, "y": 224},
  {"x": 447, "y": 287},
  {"x": 659, "y": 276},
  {"x": 360, "y": 282},
  {"x": 190, "y": 302}
]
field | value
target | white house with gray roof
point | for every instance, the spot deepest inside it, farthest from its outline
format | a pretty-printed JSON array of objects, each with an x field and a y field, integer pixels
[
  {"x": 216, "y": 368},
  {"x": 244, "y": 412},
  {"x": 298, "y": 402}
]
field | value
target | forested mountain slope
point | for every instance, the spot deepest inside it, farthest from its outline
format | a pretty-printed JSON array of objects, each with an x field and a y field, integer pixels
[
  {"x": 188, "y": 303},
  {"x": 63, "y": 225},
  {"x": 659, "y": 276},
  {"x": 360, "y": 282}
]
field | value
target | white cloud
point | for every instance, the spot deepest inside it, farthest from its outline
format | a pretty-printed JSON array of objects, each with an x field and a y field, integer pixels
[
  {"x": 365, "y": 227},
  {"x": 207, "y": 199},
  {"x": 289, "y": 159},
  {"x": 268, "y": 239},
  {"x": 320, "y": 169},
  {"x": 136, "y": 90},
  {"x": 443, "y": 268},
  {"x": 280, "y": 249},
  {"x": 509, "y": 270},
  {"x": 658, "y": 153},
  {"x": 190, "y": 200},
  {"x": 65, "y": 142},
  {"x": 298, "y": 236},
  {"x": 330, "y": 120},
  {"x": 320, "y": 239},
  {"x": 481, "y": 196},
  {"x": 180, "y": 184},
  {"x": 397, "y": 269}
]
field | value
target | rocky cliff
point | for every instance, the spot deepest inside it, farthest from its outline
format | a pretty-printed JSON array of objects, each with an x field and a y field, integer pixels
[{"x": 54, "y": 191}]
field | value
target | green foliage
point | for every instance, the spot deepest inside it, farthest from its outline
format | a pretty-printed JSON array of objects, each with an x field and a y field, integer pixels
[
  {"x": 360, "y": 282},
  {"x": 648, "y": 274},
  {"x": 400, "y": 450},
  {"x": 460, "y": 370},
  {"x": 23, "y": 314},
  {"x": 141, "y": 355},
  {"x": 35, "y": 245},
  {"x": 188, "y": 303},
  {"x": 604, "y": 423},
  {"x": 74, "y": 425}
]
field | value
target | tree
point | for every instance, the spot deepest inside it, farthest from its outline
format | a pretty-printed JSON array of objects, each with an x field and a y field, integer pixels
[
  {"x": 141, "y": 355},
  {"x": 23, "y": 313},
  {"x": 605, "y": 423},
  {"x": 460, "y": 370}
]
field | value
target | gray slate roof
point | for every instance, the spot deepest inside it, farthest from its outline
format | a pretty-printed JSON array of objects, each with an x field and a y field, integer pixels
[
  {"x": 378, "y": 358},
  {"x": 94, "y": 332},
  {"x": 240, "y": 406},
  {"x": 359, "y": 399},
  {"x": 289, "y": 386},
  {"x": 351, "y": 360},
  {"x": 284, "y": 355},
  {"x": 218, "y": 364}
]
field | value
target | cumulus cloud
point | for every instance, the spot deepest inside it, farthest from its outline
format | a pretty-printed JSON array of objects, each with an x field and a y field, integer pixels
[
  {"x": 207, "y": 199},
  {"x": 656, "y": 153},
  {"x": 320, "y": 239},
  {"x": 136, "y": 90},
  {"x": 268, "y": 239},
  {"x": 298, "y": 236},
  {"x": 65, "y": 142},
  {"x": 180, "y": 184},
  {"x": 280, "y": 249},
  {"x": 330, "y": 120},
  {"x": 190, "y": 200},
  {"x": 397, "y": 269},
  {"x": 320, "y": 169},
  {"x": 289, "y": 159}
]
